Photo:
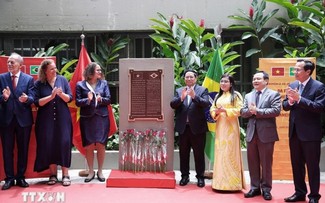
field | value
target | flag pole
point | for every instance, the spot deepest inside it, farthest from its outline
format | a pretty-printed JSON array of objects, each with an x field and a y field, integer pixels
[
  {"x": 85, "y": 172},
  {"x": 208, "y": 174}
]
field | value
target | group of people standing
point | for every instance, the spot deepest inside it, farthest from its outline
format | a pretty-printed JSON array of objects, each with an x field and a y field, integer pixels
[
  {"x": 305, "y": 99},
  {"x": 51, "y": 94}
]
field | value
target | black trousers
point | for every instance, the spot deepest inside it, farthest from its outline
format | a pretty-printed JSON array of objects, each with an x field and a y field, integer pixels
[
  {"x": 188, "y": 141},
  {"x": 305, "y": 153},
  {"x": 11, "y": 134}
]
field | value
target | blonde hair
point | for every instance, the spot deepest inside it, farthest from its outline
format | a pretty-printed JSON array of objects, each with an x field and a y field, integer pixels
[{"x": 42, "y": 69}]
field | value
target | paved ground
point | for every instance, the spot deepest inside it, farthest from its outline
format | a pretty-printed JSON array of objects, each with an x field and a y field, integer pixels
[{"x": 75, "y": 178}]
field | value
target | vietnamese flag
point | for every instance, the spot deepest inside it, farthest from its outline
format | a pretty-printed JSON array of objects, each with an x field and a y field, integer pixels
[
  {"x": 277, "y": 71},
  {"x": 83, "y": 61}
]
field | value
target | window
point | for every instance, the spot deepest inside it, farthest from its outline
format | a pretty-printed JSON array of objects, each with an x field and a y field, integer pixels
[{"x": 140, "y": 46}]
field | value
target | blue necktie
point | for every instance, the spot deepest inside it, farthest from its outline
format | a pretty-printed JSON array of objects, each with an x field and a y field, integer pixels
[
  {"x": 257, "y": 97},
  {"x": 301, "y": 88}
]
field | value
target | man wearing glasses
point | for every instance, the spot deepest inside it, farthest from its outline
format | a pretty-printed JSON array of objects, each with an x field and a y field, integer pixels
[{"x": 305, "y": 99}]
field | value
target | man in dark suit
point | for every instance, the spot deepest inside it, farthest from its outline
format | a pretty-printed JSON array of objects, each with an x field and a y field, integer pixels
[
  {"x": 190, "y": 103},
  {"x": 261, "y": 107},
  {"x": 16, "y": 99},
  {"x": 305, "y": 99}
]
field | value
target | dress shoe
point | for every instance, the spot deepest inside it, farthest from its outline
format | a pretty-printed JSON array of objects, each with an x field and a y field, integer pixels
[
  {"x": 184, "y": 181},
  {"x": 252, "y": 193},
  {"x": 313, "y": 200},
  {"x": 22, "y": 183},
  {"x": 267, "y": 196},
  {"x": 8, "y": 184},
  {"x": 87, "y": 180},
  {"x": 100, "y": 178},
  {"x": 295, "y": 198},
  {"x": 200, "y": 182}
]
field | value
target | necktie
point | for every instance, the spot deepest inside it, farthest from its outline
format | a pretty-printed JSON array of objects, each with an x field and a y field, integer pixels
[
  {"x": 301, "y": 88},
  {"x": 257, "y": 97},
  {"x": 188, "y": 99},
  {"x": 13, "y": 81}
]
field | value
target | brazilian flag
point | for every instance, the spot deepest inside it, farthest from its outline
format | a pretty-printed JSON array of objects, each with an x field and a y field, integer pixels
[
  {"x": 212, "y": 83},
  {"x": 34, "y": 69}
]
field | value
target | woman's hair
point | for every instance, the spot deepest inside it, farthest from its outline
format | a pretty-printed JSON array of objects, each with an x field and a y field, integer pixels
[
  {"x": 231, "y": 90},
  {"x": 90, "y": 70},
  {"x": 42, "y": 69}
]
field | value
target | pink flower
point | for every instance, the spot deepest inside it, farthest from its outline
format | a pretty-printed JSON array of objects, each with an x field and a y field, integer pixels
[
  {"x": 202, "y": 23},
  {"x": 110, "y": 42},
  {"x": 171, "y": 21},
  {"x": 161, "y": 133},
  {"x": 251, "y": 12},
  {"x": 293, "y": 1},
  {"x": 130, "y": 131}
]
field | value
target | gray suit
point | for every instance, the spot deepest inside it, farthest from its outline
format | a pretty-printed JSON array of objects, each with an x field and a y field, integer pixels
[{"x": 260, "y": 136}]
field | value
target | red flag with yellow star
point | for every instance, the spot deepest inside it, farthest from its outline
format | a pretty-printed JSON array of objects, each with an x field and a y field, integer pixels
[
  {"x": 83, "y": 61},
  {"x": 277, "y": 71}
]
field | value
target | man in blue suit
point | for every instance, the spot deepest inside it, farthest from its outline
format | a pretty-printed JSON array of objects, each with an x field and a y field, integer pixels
[
  {"x": 15, "y": 99},
  {"x": 305, "y": 99},
  {"x": 190, "y": 103}
]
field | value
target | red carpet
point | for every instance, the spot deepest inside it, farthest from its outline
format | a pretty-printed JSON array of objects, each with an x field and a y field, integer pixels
[
  {"x": 119, "y": 178},
  {"x": 93, "y": 193}
]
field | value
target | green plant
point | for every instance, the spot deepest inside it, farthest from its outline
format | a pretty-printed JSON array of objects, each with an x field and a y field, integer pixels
[
  {"x": 242, "y": 138},
  {"x": 253, "y": 23},
  {"x": 113, "y": 141},
  {"x": 51, "y": 51},
  {"x": 66, "y": 70},
  {"x": 175, "y": 38},
  {"x": 108, "y": 51},
  {"x": 187, "y": 44},
  {"x": 68, "y": 65},
  {"x": 303, "y": 31}
]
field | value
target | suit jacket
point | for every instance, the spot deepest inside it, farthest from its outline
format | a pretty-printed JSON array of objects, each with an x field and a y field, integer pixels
[
  {"x": 13, "y": 106},
  {"x": 89, "y": 109},
  {"x": 264, "y": 122},
  {"x": 194, "y": 111},
  {"x": 305, "y": 116}
]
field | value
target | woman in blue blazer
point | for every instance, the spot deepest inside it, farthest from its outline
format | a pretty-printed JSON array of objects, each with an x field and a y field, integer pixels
[{"x": 93, "y": 96}]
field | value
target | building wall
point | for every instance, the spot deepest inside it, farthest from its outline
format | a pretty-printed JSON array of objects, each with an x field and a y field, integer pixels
[{"x": 112, "y": 15}]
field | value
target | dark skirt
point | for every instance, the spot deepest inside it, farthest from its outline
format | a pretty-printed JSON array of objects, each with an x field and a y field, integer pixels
[{"x": 94, "y": 129}]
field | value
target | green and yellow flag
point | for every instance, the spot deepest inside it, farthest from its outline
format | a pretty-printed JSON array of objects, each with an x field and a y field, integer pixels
[{"x": 212, "y": 83}]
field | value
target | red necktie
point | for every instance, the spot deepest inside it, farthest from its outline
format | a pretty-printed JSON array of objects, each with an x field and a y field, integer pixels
[{"x": 13, "y": 78}]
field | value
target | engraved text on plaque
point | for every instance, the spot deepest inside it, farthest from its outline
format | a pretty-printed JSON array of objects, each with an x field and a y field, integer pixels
[{"x": 145, "y": 94}]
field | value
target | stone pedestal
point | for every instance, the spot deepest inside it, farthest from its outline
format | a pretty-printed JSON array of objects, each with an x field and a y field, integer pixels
[{"x": 146, "y": 89}]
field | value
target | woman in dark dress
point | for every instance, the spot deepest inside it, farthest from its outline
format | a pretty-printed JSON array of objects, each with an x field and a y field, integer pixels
[
  {"x": 53, "y": 127},
  {"x": 93, "y": 96}
]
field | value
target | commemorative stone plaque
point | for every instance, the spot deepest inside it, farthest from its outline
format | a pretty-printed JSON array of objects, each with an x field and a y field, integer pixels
[
  {"x": 145, "y": 95},
  {"x": 146, "y": 88}
]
